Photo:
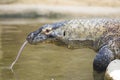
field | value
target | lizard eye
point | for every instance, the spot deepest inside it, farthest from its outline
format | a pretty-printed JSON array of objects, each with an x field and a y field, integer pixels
[{"x": 47, "y": 30}]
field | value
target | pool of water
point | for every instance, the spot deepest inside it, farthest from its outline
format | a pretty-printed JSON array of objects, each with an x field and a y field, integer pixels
[{"x": 42, "y": 61}]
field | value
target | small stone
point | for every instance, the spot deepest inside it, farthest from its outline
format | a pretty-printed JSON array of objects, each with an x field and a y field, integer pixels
[
  {"x": 52, "y": 79},
  {"x": 113, "y": 70}
]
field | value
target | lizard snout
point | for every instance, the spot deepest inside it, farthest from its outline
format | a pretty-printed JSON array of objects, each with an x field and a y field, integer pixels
[{"x": 30, "y": 37}]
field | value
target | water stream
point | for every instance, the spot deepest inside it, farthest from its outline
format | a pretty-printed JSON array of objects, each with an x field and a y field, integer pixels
[{"x": 42, "y": 61}]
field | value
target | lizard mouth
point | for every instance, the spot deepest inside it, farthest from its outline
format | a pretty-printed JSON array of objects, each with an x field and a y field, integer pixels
[{"x": 34, "y": 39}]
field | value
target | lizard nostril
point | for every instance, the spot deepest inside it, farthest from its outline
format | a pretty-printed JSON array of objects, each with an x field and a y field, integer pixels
[{"x": 31, "y": 35}]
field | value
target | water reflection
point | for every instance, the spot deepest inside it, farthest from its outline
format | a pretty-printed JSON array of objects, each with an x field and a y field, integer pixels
[
  {"x": 8, "y": 74},
  {"x": 43, "y": 61}
]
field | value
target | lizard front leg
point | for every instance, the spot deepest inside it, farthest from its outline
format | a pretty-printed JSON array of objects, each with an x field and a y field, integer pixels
[{"x": 101, "y": 61}]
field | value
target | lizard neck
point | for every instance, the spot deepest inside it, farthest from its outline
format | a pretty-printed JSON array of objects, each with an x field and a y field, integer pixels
[
  {"x": 83, "y": 33},
  {"x": 80, "y": 33}
]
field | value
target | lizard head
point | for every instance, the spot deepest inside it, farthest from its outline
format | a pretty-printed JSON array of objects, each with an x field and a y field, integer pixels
[{"x": 48, "y": 32}]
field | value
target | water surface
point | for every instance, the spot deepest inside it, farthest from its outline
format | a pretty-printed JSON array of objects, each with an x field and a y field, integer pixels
[{"x": 42, "y": 61}]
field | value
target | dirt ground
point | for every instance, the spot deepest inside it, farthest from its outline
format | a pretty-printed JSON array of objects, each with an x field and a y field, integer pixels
[
  {"x": 110, "y": 3},
  {"x": 56, "y": 9}
]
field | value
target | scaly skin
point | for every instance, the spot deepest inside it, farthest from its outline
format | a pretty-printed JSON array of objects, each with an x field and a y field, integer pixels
[{"x": 101, "y": 35}]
